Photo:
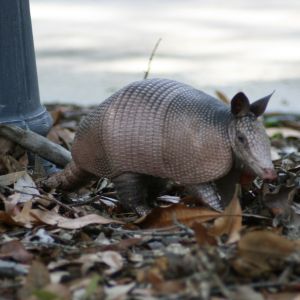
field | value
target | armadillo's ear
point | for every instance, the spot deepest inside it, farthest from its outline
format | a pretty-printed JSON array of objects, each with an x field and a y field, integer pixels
[
  {"x": 240, "y": 105},
  {"x": 258, "y": 107}
]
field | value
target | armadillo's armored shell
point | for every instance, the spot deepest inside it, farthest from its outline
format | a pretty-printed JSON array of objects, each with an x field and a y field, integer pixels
[{"x": 158, "y": 127}]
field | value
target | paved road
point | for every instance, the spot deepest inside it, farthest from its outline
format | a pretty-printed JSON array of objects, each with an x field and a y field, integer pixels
[{"x": 86, "y": 49}]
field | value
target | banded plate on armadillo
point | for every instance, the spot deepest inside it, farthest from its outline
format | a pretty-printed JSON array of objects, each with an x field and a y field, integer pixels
[{"x": 159, "y": 129}]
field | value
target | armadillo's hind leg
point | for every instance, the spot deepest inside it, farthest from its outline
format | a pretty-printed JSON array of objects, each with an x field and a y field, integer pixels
[
  {"x": 207, "y": 192},
  {"x": 71, "y": 178},
  {"x": 132, "y": 192}
]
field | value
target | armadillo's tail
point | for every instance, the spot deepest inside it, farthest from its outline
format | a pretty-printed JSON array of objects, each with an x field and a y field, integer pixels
[{"x": 71, "y": 178}]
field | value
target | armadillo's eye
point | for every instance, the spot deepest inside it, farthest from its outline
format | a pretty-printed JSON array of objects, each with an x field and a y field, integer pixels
[{"x": 241, "y": 139}]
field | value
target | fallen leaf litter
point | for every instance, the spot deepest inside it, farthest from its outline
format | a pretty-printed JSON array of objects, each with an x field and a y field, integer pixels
[{"x": 83, "y": 246}]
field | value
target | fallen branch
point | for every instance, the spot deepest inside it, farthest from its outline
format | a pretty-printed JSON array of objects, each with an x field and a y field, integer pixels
[{"x": 36, "y": 143}]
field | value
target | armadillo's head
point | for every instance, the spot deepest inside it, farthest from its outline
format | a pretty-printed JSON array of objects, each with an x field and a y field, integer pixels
[{"x": 248, "y": 137}]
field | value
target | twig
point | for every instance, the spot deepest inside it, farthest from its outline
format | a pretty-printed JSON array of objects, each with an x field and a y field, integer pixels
[
  {"x": 223, "y": 97},
  {"x": 215, "y": 277},
  {"x": 151, "y": 58},
  {"x": 284, "y": 276},
  {"x": 165, "y": 231},
  {"x": 186, "y": 229},
  {"x": 223, "y": 289},
  {"x": 37, "y": 144},
  {"x": 85, "y": 202},
  {"x": 93, "y": 199},
  {"x": 42, "y": 197}
]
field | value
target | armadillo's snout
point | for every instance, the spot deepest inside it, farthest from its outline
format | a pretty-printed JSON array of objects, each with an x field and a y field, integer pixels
[{"x": 269, "y": 174}]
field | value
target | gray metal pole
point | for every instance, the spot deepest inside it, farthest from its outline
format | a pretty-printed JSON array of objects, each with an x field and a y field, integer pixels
[{"x": 19, "y": 92}]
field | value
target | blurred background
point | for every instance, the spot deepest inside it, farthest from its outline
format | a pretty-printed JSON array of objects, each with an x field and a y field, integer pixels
[{"x": 87, "y": 49}]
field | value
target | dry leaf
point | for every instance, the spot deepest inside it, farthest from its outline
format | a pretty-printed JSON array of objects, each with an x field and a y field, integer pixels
[
  {"x": 25, "y": 191},
  {"x": 244, "y": 292},
  {"x": 15, "y": 250},
  {"x": 279, "y": 201},
  {"x": 230, "y": 223},
  {"x": 162, "y": 217},
  {"x": 46, "y": 216},
  {"x": 53, "y": 291},
  {"x": 11, "y": 164},
  {"x": 84, "y": 221},
  {"x": 6, "y": 146},
  {"x": 93, "y": 290},
  {"x": 202, "y": 236},
  {"x": 11, "y": 178},
  {"x": 262, "y": 251},
  {"x": 119, "y": 247},
  {"x": 111, "y": 258},
  {"x": 27, "y": 188},
  {"x": 37, "y": 278},
  {"x": 282, "y": 296},
  {"x": 152, "y": 275},
  {"x": 61, "y": 136},
  {"x": 169, "y": 287},
  {"x": 155, "y": 273},
  {"x": 57, "y": 115},
  {"x": 6, "y": 218},
  {"x": 25, "y": 218},
  {"x": 119, "y": 292},
  {"x": 51, "y": 218}
]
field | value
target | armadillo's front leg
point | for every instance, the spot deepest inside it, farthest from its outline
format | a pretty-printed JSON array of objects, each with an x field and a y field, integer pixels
[
  {"x": 71, "y": 178},
  {"x": 207, "y": 192}
]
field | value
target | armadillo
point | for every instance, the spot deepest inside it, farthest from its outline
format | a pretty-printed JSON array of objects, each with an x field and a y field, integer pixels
[{"x": 156, "y": 130}]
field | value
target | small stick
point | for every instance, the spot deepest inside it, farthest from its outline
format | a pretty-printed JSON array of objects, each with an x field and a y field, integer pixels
[
  {"x": 37, "y": 144},
  {"x": 67, "y": 207},
  {"x": 223, "y": 97},
  {"x": 185, "y": 228},
  {"x": 151, "y": 58},
  {"x": 215, "y": 277}
]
